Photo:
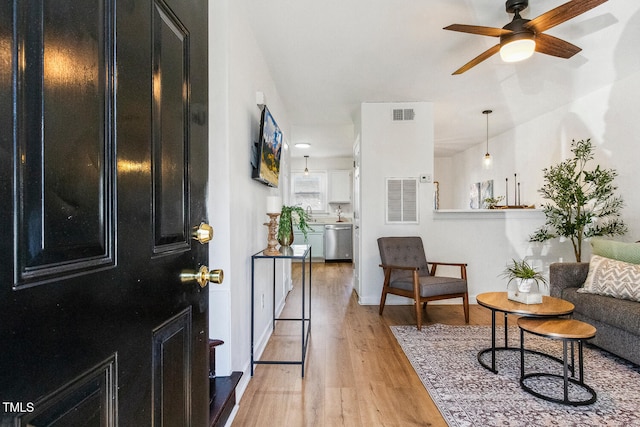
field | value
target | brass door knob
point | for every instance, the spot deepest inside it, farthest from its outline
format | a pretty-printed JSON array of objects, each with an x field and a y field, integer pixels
[
  {"x": 203, "y": 276},
  {"x": 202, "y": 233}
]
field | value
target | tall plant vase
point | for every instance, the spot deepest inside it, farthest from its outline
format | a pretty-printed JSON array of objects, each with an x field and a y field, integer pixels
[{"x": 286, "y": 239}]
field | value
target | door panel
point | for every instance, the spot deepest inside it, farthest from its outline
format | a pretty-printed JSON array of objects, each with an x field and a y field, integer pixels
[
  {"x": 171, "y": 372},
  {"x": 65, "y": 221},
  {"x": 170, "y": 130},
  {"x": 87, "y": 401},
  {"x": 103, "y": 149}
]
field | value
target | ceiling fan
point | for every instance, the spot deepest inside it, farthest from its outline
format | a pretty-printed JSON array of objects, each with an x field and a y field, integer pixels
[{"x": 521, "y": 37}]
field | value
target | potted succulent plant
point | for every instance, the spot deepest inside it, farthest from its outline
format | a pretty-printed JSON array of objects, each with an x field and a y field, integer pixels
[
  {"x": 290, "y": 216},
  {"x": 524, "y": 274}
]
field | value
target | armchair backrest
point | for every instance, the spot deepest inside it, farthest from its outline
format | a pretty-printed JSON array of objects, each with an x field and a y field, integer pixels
[{"x": 405, "y": 252}]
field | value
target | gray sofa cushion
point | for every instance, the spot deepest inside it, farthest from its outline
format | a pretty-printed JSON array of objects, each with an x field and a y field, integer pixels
[
  {"x": 617, "y": 320},
  {"x": 622, "y": 314}
]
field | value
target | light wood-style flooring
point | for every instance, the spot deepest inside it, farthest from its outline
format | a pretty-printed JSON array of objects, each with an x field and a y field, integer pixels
[{"x": 356, "y": 373}]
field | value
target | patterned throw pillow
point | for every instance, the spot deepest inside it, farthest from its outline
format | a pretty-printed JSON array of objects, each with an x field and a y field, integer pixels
[{"x": 612, "y": 278}]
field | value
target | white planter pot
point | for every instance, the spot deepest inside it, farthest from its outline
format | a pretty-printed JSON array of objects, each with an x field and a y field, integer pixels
[
  {"x": 525, "y": 285},
  {"x": 525, "y": 291}
]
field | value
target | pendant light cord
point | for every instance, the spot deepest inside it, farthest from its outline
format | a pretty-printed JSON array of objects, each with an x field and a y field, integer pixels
[{"x": 486, "y": 113}]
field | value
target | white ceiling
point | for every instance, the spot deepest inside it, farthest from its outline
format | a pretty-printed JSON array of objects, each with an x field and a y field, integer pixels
[{"x": 327, "y": 57}]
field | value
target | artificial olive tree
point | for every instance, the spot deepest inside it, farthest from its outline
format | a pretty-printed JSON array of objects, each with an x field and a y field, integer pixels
[{"x": 582, "y": 203}]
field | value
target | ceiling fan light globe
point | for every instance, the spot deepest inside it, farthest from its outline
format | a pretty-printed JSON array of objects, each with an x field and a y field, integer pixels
[{"x": 517, "y": 50}]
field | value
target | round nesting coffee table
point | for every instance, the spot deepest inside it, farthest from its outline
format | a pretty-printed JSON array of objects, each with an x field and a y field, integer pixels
[
  {"x": 498, "y": 301},
  {"x": 567, "y": 330}
]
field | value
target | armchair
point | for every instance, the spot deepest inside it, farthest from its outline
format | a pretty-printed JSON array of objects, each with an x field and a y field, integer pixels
[{"x": 407, "y": 273}]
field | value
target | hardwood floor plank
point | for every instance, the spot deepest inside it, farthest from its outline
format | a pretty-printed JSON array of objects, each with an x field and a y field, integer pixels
[
  {"x": 356, "y": 374},
  {"x": 342, "y": 407}
]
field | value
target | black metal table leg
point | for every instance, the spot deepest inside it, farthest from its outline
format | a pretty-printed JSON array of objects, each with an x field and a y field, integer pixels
[{"x": 566, "y": 379}]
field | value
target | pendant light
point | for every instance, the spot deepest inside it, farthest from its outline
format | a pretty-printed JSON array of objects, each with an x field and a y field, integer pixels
[
  {"x": 487, "y": 161},
  {"x": 306, "y": 169}
]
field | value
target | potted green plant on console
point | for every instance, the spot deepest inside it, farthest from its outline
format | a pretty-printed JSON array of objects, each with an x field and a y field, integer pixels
[
  {"x": 582, "y": 202},
  {"x": 525, "y": 277},
  {"x": 290, "y": 216}
]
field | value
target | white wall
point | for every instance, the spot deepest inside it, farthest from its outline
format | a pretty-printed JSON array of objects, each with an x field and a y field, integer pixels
[
  {"x": 389, "y": 149},
  {"x": 237, "y": 204},
  {"x": 444, "y": 172},
  {"x": 322, "y": 163},
  {"x": 607, "y": 116}
]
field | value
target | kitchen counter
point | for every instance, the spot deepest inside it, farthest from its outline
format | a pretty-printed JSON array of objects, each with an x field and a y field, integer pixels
[{"x": 328, "y": 220}]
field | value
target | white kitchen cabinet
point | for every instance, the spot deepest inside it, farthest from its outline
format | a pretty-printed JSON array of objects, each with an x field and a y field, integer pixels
[
  {"x": 315, "y": 238},
  {"x": 340, "y": 186}
]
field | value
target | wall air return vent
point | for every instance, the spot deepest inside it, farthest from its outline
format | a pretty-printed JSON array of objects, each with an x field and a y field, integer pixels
[
  {"x": 401, "y": 115},
  {"x": 402, "y": 201}
]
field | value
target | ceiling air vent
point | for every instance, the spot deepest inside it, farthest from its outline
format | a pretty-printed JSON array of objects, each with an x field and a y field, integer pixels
[{"x": 400, "y": 114}]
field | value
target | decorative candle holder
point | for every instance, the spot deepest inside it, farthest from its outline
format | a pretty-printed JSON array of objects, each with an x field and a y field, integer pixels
[{"x": 272, "y": 242}]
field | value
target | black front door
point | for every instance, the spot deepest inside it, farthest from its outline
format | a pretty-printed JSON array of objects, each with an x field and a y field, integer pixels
[{"x": 103, "y": 171}]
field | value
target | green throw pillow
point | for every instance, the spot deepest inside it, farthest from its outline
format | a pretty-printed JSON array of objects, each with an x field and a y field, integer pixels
[{"x": 621, "y": 251}]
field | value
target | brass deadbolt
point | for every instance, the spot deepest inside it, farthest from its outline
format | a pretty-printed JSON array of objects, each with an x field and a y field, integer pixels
[{"x": 203, "y": 233}]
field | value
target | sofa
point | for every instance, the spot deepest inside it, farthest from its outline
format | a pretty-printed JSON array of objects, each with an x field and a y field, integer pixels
[{"x": 617, "y": 319}]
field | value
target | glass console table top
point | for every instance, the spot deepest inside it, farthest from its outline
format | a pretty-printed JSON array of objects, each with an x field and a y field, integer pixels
[{"x": 293, "y": 252}]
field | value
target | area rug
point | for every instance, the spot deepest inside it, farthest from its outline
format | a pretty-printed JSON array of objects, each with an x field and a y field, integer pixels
[{"x": 445, "y": 359}]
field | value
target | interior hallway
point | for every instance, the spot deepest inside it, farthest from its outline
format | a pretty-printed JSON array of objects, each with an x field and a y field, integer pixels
[{"x": 355, "y": 373}]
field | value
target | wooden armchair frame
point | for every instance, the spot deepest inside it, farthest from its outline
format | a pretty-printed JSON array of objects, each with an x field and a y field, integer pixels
[{"x": 421, "y": 302}]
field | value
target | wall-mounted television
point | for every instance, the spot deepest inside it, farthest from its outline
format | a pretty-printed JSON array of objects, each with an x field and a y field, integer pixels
[{"x": 266, "y": 158}]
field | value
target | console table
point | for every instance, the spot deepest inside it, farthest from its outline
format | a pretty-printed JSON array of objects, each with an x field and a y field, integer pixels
[{"x": 301, "y": 253}]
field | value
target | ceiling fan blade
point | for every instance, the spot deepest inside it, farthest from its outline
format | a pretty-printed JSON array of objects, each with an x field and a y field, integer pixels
[
  {"x": 476, "y": 29},
  {"x": 478, "y": 59},
  {"x": 561, "y": 14},
  {"x": 554, "y": 46}
]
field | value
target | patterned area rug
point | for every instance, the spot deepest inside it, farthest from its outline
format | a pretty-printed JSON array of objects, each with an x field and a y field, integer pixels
[{"x": 445, "y": 359}]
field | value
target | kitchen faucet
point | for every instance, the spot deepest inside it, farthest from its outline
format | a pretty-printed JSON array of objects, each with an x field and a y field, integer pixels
[{"x": 309, "y": 211}]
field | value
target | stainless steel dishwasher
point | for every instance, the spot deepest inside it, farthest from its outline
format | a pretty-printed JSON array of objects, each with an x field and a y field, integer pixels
[{"x": 338, "y": 245}]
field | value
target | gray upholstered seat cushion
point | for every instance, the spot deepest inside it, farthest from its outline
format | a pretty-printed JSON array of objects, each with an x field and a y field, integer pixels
[
  {"x": 622, "y": 314},
  {"x": 433, "y": 285},
  {"x": 617, "y": 320}
]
